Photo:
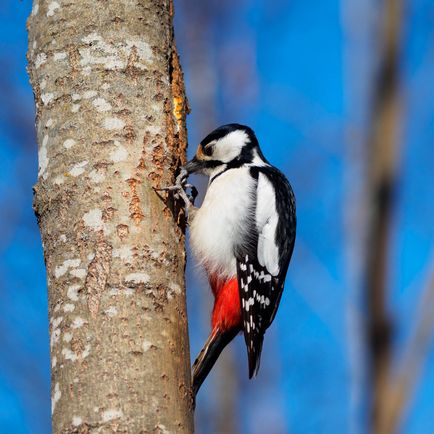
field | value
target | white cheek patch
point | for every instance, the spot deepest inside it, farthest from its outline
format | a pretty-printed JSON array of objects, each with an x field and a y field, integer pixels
[{"x": 229, "y": 147}]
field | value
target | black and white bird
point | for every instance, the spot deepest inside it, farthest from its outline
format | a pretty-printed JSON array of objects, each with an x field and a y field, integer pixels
[{"x": 243, "y": 235}]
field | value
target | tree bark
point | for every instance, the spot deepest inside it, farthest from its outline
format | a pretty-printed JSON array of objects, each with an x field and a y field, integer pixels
[{"x": 110, "y": 118}]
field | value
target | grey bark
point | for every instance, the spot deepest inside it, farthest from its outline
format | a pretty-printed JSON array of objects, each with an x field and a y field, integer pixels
[{"x": 110, "y": 118}]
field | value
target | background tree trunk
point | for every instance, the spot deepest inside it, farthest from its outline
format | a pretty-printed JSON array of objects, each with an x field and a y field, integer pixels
[
  {"x": 383, "y": 165},
  {"x": 111, "y": 126}
]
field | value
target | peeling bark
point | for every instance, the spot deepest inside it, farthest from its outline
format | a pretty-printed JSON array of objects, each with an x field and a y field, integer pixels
[{"x": 110, "y": 118}]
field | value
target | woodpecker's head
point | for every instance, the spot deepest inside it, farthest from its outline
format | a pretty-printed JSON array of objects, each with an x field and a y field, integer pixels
[{"x": 229, "y": 146}]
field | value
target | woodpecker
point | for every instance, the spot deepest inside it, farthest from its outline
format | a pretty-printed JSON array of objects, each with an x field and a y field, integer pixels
[{"x": 243, "y": 235}]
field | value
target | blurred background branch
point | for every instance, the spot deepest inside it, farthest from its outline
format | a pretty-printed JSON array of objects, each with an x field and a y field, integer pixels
[
  {"x": 382, "y": 175},
  {"x": 400, "y": 385}
]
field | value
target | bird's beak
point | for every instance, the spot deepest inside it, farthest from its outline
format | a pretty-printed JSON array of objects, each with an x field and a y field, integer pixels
[{"x": 193, "y": 166}]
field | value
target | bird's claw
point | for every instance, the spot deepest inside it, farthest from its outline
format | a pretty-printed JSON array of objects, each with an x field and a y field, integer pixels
[
  {"x": 182, "y": 177},
  {"x": 173, "y": 187},
  {"x": 179, "y": 188}
]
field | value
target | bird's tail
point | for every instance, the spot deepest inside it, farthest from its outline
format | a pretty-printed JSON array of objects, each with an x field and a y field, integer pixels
[
  {"x": 209, "y": 354},
  {"x": 254, "y": 349}
]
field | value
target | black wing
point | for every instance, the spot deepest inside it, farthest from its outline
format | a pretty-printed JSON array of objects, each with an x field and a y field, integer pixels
[{"x": 263, "y": 261}]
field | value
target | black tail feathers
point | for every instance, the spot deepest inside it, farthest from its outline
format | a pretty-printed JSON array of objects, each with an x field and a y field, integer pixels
[
  {"x": 209, "y": 355},
  {"x": 254, "y": 350}
]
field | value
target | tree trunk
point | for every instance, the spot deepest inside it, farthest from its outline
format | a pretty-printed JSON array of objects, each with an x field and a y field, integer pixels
[{"x": 110, "y": 116}]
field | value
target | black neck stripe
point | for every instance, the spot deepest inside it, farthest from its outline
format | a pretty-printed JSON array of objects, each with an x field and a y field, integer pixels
[
  {"x": 218, "y": 174},
  {"x": 234, "y": 164}
]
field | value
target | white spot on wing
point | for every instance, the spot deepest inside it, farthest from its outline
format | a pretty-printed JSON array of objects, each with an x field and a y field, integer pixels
[{"x": 267, "y": 278}]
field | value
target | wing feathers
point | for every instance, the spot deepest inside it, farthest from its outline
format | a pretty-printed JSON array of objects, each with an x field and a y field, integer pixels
[
  {"x": 261, "y": 271},
  {"x": 250, "y": 295},
  {"x": 266, "y": 223}
]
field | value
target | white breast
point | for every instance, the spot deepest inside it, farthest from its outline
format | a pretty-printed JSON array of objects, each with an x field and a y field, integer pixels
[{"x": 220, "y": 223}]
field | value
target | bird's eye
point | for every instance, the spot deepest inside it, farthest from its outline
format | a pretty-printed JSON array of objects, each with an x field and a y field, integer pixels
[{"x": 208, "y": 150}]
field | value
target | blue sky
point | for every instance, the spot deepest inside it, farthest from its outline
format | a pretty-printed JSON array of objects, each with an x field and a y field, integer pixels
[{"x": 300, "y": 74}]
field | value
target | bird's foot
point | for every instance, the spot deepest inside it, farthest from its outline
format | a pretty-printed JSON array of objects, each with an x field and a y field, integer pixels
[{"x": 180, "y": 187}]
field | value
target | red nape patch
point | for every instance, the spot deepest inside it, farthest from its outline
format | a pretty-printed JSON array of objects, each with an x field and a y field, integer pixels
[{"x": 227, "y": 312}]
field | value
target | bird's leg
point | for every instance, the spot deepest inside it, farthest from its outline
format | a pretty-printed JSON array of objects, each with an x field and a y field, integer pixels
[{"x": 179, "y": 190}]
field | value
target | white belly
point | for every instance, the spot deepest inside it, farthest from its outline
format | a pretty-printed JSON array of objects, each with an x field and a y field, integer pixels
[{"x": 220, "y": 223}]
